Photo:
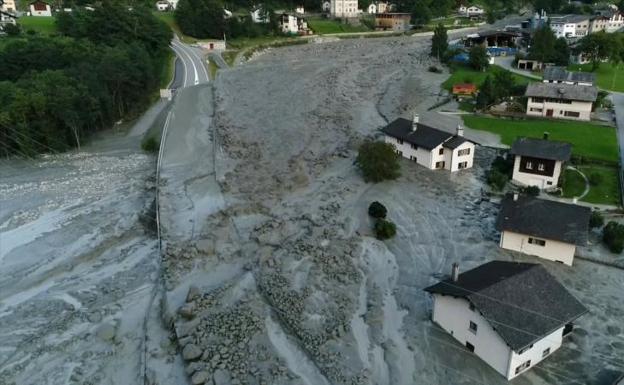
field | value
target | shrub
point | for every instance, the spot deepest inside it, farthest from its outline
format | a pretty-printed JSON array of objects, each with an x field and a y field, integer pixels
[
  {"x": 596, "y": 220},
  {"x": 503, "y": 165},
  {"x": 12, "y": 29},
  {"x": 434, "y": 69},
  {"x": 594, "y": 179},
  {"x": 497, "y": 179},
  {"x": 613, "y": 237},
  {"x": 531, "y": 191},
  {"x": 384, "y": 229},
  {"x": 377, "y": 210},
  {"x": 378, "y": 161},
  {"x": 150, "y": 144}
]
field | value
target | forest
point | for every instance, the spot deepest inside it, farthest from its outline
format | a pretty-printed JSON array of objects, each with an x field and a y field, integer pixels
[{"x": 101, "y": 66}]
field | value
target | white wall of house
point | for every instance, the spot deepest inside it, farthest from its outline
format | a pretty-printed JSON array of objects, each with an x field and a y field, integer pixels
[
  {"x": 173, "y": 4},
  {"x": 567, "y": 82},
  {"x": 43, "y": 13},
  {"x": 288, "y": 24},
  {"x": 563, "y": 29},
  {"x": 536, "y": 353},
  {"x": 372, "y": 8},
  {"x": 429, "y": 159},
  {"x": 454, "y": 316},
  {"x": 162, "y": 6},
  {"x": 456, "y": 159},
  {"x": 474, "y": 11},
  {"x": 343, "y": 8},
  {"x": 420, "y": 155},
  {"x": 559, "y": 110},
  {"x": 552, "y": 250},
  {"x": 544, "y": 182}
]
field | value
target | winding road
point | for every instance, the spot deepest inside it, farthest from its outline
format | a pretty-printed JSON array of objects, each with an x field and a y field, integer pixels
[{"x": 195, "y": 71}]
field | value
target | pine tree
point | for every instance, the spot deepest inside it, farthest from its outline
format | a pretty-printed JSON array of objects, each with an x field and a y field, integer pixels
[{"x": 439, "y": 42}]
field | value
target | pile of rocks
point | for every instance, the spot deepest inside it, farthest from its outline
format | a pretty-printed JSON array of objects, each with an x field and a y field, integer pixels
[
  {"x": 176, "y": 263},
  {"x": 226, "y": 345}
]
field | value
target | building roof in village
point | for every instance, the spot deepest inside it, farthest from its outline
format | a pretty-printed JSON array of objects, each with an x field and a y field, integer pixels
[
  {"x": 542, "y": 149},
  {"x": 455, "y": 142},
  {"x": 565, "y": 19},
  {"x": 424, "y": 136},
  {"x": 544, "y": 219},
  {"x": 556, "y": 73},
  {"x": 521, "y": 301},
  {"x": 562, "y": 91}
]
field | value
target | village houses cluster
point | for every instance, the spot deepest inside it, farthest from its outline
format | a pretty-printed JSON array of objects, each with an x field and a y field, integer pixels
[{"x": 498, "y": 310}]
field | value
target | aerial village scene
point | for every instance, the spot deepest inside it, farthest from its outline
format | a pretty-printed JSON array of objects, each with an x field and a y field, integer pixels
[{"x": 311, "y": 192}]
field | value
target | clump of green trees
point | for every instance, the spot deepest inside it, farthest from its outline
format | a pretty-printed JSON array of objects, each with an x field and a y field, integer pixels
[
  {"x": 500, "y": 173},
  {"x": 206, "y": 19},
  {"x": 384, "y": 229},
  {"x": 613, "y": 236},
  {"x": 103, "y": 65},
  {"x": 378, "y": 161}
]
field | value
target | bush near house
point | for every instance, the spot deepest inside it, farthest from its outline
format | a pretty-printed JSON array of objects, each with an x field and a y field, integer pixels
[
  {"x": 596, "y": 220},
  {"x": 384, "y": 229},
  {"x": 531, "y": 191},
  {"x": 497, "y": 180},
  {"x": 377, "y": 210},
  {"x": 150, "y": 144},
  {"x": 613, "y": 237},
  {"x": 378, "y": 161}
]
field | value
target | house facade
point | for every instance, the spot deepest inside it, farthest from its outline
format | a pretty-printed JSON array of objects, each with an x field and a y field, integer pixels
[
  {"x": 259, "y": 15},
  {"x": 326, "y": 6},
  {"x": 162, "y": 6},
  {"x": 560, "y": 101},
  {"x": 40, "y": 8},
  {"x": 608, "y": 21},
  {"x": 372, "y": 8},
  {"x": 7, "y": 12},
  {"x": 543, "y": 228},
  {"x": 570, "y": 26},
  {"x": 343, "y": 8},
  {"x": 429, "y": 147},
  {"x": 392, "y": 21},
  {"x": 489, "y": 310},
  {"x": 292, "y": 24},
  {"x": 539, "y": 162}
]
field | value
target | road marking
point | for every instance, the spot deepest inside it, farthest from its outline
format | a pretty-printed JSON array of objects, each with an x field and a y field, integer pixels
[
  {"x": 176, "y": 50},
  {"x": 192, "y": 62}
]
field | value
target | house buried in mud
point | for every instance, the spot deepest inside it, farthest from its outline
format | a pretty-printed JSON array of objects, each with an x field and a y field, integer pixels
[
  {"x": 544, "y": 228},
  {"x": 500, "y": 313},
  {"x": 430, "y": 147}
]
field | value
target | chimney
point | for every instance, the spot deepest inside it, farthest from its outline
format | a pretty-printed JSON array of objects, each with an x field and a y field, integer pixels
[
  {"x": 415, "y": 122},
  {"x": 546, "y": 134},
  {"x": 455, "y": 272},
  {"x": 460, "y": 130}
]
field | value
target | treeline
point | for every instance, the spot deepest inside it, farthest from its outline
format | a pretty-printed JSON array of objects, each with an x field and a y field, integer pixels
[
  {"x": 206, "y": 19},
  {"x": 102, "y": 66}
]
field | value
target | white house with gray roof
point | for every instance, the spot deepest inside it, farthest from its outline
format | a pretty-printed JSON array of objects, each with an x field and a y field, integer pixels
[
  {"x": 499, "y": 312},
  {"x": 539, "y": 162},
  {"x": 570, "y": 26},
  {"x": 543, "y": 228},
  {"x": 560, "y": 100},
  {"x": 430, "y": 147}
]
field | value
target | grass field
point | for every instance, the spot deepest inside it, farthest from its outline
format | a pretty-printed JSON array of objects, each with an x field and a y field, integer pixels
[
  {"x": 325, "y": 26},
  {"x": 464, "y": 74},
  {"x": 42, "y": 25},
  {"x": 230, "y": 56},
  {"x": 605, "y": 192},
  {"x": 588, "y": 140},
  {"x": 604, "y": 75}
]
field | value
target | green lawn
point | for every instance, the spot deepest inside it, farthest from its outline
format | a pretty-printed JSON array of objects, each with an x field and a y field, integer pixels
[
  {"x": 573, "y": 184},
  {"x": 605, "y": 192},
  {"x": 588, "y": 140},
  {"x": 464, "y": 74},
  {"x": 325, "y": 26},
  {"x": 42, "y": 25},
  {"x": 604, "y": 75},
  {"x": 167, "y": 72}
]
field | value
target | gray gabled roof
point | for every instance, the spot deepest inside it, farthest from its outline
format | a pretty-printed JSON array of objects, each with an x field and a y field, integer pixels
[
  {"x": 521, "y": 301},
  {"x": 542, "y": 149},
  {"x": 559, "y": 19},
  {"x": 562, "y": 91},
  {"x": 424, "y": 136},
  {"x": 560, "y": 74},
  {"x": 455, "y": 142},
  {"x": 544, "y": 219}
]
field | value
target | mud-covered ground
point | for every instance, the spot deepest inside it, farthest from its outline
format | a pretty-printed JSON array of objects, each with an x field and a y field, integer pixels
[{"x": 272, "y": 275}]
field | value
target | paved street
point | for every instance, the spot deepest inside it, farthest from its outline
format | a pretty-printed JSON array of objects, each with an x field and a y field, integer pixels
[{"x": 194, "y": 68}]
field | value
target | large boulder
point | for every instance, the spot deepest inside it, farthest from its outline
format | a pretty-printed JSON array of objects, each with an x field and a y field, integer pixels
[
  {"x": 201, "y": 377},
  {"x": 191, "y": 352},
  {"x": 221, "y": 377}
]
